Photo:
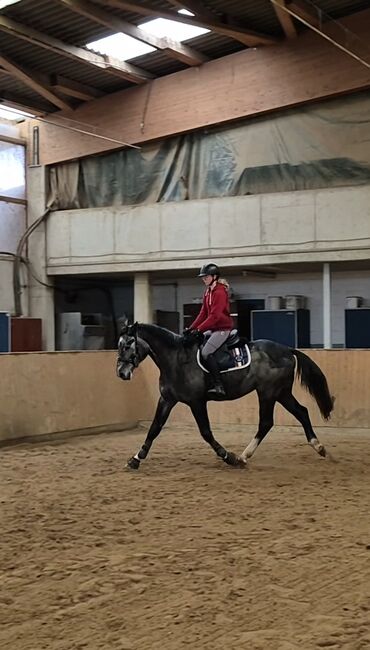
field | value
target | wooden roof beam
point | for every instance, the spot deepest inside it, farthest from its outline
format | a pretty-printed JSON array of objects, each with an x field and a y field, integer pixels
[
  {"x": 285, "y": 19},
  {"x": 63, "y": 85},
  {"x": 235, "y": 31},
  {"x": 303, "y": 10},
  {"x": 73, "y": 88},
  {"x": 31, "y": 81},
  {"x": 329, "y": 29},
  {"x": 174, "y": 49},
  {"x": 108, "y": 64},
  {"x": 21, "y": 103}
]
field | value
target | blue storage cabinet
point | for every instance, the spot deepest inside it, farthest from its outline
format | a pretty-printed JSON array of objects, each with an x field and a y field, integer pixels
[
  {"x": 5, "y": 332},
  {"x": 284, "y": 326}
]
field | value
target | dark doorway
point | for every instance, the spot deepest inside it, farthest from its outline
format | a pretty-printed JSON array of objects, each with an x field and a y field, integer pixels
[
  {"x": 244, "y": 314},
  {"x": 168, "y": 319}
]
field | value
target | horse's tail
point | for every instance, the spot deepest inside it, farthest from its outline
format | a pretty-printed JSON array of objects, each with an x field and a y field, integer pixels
[{"x": 314, "y": 380}]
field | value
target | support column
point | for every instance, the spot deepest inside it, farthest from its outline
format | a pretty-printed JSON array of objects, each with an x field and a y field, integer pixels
[
  {"x": 41, "y": 299},
  {"x": 327, "y": 305},
  {"x": 142, "y": 298}
]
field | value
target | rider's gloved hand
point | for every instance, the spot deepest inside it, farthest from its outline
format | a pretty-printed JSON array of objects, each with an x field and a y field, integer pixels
[{"x": 190, "y": 336}]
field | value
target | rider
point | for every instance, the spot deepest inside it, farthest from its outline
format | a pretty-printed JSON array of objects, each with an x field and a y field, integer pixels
[{"x": 214, "y": 318}]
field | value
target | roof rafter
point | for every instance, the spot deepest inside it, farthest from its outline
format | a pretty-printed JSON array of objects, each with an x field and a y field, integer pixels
[
  {"x": 236, "y": 30},
  {"x": 329, "y": 29},
  {"x": 174, "y": 49},
  {"x": 73, "y": 88},
  {"x": 302, "y": 9},
  {"x": 62, "y": 84},
  {"x": 21, "y": 103},
  {"x": 285, "y": 19},
  {"x": 30, "y": 80},
  {"x": 113, "y": 66}
]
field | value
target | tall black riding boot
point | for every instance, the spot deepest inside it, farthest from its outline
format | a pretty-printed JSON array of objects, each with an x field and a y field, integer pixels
[{"x": 217, "y": 390}]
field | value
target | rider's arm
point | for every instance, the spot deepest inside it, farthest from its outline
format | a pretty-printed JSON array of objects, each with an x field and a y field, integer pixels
[
  {"x": 199, "y": 319},
  {"x": 219, "y": 302}
]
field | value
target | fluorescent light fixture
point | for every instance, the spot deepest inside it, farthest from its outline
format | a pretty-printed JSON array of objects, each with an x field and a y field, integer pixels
[
  {"x": 162, "y": 27},
  {"x": 120, "y": 46},
  {"x": 6, "y": 3},
  {"x": 13, "y": 114}
]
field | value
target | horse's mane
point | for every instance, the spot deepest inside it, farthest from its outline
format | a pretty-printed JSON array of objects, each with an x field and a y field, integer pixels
[{"x": 162, "y": 334}]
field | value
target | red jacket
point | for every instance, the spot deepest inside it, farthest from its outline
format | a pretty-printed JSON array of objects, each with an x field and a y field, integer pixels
[{"x": 215, "y": 312}]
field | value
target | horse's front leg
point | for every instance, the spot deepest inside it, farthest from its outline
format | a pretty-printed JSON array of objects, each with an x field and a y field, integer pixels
[
  {"x": 164, "y": 408},
  {"x": 200, "y": 413}
]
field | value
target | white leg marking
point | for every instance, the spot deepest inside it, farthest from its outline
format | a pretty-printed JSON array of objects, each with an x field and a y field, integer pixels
[
  {"x": 249, "y": 451},
  {"x": 137, "y": 457},
  {"x": 318, "y": 447}
]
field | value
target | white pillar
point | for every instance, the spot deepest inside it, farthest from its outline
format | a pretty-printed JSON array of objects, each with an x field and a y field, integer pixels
[
  {"x": 41, "y": 299},
  {"x": 142, "y": 298},
  {"x": 326, "y": 285}
]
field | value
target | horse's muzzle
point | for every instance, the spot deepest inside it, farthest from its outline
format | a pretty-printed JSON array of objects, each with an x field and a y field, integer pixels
[{"x": 124, "y": 372}]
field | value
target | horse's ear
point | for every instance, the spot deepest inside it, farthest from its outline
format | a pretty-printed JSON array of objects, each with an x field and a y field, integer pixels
[
  {"x": 124, "y": 325},
  {"x": 132, "y": 329}
]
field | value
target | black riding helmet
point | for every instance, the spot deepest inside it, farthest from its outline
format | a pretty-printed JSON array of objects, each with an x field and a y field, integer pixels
[{"x": 209, "y": 269}]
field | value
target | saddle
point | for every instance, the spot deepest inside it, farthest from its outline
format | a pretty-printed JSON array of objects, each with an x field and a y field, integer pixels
[{"x": 234, "y": 354}]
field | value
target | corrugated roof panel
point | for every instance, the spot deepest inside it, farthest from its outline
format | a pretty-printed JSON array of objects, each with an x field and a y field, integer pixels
[
  {"x": 337, "y": 8},
  {"x": 12, "y": 88}
]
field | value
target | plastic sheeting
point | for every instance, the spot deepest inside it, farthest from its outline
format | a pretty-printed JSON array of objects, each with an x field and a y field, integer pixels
[{"x": 319, "y": 145}]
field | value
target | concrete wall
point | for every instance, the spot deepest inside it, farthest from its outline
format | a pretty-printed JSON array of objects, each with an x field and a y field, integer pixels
[
  {"x": 48, "y": 393},
  {"x": 267, "y": 229}
]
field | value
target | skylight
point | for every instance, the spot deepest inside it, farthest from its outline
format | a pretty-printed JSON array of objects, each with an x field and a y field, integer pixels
[
  {"x": 120, "y": 46},
  {"x": 123, "y": 47},
  {"x": 172, "y": 29},
  {"x": 13, "y": 114},
  {"x": 5, "y": 3}
]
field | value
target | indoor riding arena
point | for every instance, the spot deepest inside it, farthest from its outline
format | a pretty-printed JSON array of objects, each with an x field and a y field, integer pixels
[{"x": 141, "y": 143}]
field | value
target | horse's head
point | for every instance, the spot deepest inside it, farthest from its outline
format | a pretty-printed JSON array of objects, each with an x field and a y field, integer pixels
[{"x": 129, "y": 355}]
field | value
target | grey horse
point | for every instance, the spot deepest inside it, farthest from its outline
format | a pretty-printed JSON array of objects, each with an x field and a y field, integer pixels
[{"x": 271, "y": 374}]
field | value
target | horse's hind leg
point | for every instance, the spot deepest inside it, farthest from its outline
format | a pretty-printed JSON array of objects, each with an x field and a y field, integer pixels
[
  {"x": 301, "y": 413},
  {"x": 265, "y": 424},
  {"x": 200, "y": 413},
  {"x": 164, "y": 408}
]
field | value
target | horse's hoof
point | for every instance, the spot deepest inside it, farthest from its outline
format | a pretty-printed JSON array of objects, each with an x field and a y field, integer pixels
[
  {"x": 234, "y": 460},
  {"x": 133, "y": 463},
  {"x": 319, "y": 448},
  {"x": 321, "y": 451}
]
